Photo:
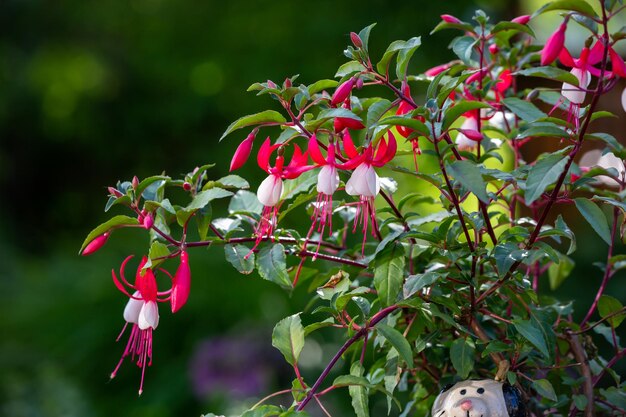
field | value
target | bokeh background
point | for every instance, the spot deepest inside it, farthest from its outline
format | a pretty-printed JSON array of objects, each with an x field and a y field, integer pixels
[{"x": 92, "y": 92}]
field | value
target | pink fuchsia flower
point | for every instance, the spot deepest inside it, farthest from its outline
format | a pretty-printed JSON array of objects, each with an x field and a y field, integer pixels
[
  {"x": 450, "y": 19},
  {"x": 342, "y": 123},
  {"x": 270, "y": 190},
  {"x": 343, "y": 91},
  {"x": 327, "y": 184},
  {"x": 243, "y": 152},
  {"x": 181, "y": 283},
  {"x": 364, "y": 181},
  {"x": 554, "y": 45},
  {"x": 403, "y": 108},
  {"x": 95, "y": 244},
  {"x": 141, "y": 312},
  {"x": 434, "y": 71},
  {"x": 503, "y": 83}
]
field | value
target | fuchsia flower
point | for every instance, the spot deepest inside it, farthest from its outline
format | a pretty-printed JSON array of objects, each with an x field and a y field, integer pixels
[
  {"x": 142, "y": 313},
  {"x": 522, "y": 20},
  {"x": 469, "y": 136},
  {"x": 181, "y": 283},
  {"x": 327, "y": 184},
  {"x": 343, "y": 92},
  {"x": 403, "y": 108},
  {"x": 364, "y": 181},
  {"x": 450, "y": 19},
  {"x": 271, "y": 188}
]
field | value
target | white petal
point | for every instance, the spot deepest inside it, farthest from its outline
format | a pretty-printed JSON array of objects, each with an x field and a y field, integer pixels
[
  {"x": 270, "y": 190},
  {"x": 463, "y": 142},
  {"x": 148, "y": 316},
  {"x": 131, "y": 311},
  {"x": 607, "y": 161},
  {"x": 624, "y": 99},
  {"x": 327, "y": 180},
  {"x": 372, "y": 182},
  {"x": 573, "y": 93},
  {"x": 357, "y": 184}
]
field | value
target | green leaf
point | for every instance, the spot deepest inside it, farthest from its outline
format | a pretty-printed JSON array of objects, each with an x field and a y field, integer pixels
[
  {"x": 544, "y": 388},
  {"x": 113, "y": 223},
  {"x": 376, "y": 111},
  {"x": 543, "y": 174},
  {"x": 404, "y": 56},
  {"x": 321, "y": 85},
  {"x": 525, "y": 110},
  {"x": 263, "y": 411},
  {"x": 358, "y": 393},
  {"x": 502, "y": 26},
  {"x": 338, "y": 112},
  {"x": 389, "y": 275},
  {"x": 576, "y": 5},
  {"x": 272, "y": 265},
  {"x": 468, "y": 174},
  {"x": 557, "y": 273},
  {"x": 459, "y": 109},
  {"x": 347, "y": 380},
  {"x": 407, "y": 121},
  {"x": 383, "y": 65},
  {"x": 157, "y": 254},
  {"x": 609, "y": 305},
  {"x": 533, "y": 334},
  {"x": 240, "y": 257},
  {"x": 245, "y": 202},
  {"x": 551, "y": 73},
  {"x": 415, "y": 283},
  {"x": 538, "y": 129},
  {"x": 203, "y": 198},
  {"x": 149, "y": 181},
  {"x": 462, "y": 356},
  {"x": 267, "y": 116},
  {"x": 463, "y": 46},
  {"x": 288, "y": 337},
  {"x": 233, "y": 181},
  {"x": 398, "y": 341},
  {"x": 348, "y": 68},
  {"x": 364, "y": 34},
  {"x": 595, "y": 217}
]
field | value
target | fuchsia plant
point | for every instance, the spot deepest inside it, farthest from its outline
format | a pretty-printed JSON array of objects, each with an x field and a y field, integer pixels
[{"x": 446, "y": 285}]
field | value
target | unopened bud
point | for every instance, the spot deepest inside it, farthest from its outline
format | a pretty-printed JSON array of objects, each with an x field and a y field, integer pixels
[
  {"x": 471, "y": 134},
  {"x": 522, "y": 20},
  {"x": 356, "y": 40},
  {"x": 450, "y": 19},
  {"x": 271, "y": 84},
  {"x": 532, "y": 95},
  {"x": 114, "y": 192},
  {"x": 95, "y": 244},
  {"x": 359, "y": 83},
  {"x": 148, "y": 221},
  {"x": 554, "y": 45},
  {"x": 343, "y": 91},
  {"x": 287, "y": 83},
  {"x": 243, "y": 151},
  {"x": 135, "y": 182},
  {"x": 186, "y": 186},
  {"x": 493, "y": 48}
]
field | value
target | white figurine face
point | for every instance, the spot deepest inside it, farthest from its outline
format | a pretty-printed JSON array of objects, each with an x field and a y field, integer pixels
[{"x": 472, "y": 399}]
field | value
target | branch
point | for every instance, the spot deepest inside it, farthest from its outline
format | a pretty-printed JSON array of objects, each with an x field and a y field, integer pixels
[
  {"x": 581, "y": 357},
  {"x": 358, "y": 335}
]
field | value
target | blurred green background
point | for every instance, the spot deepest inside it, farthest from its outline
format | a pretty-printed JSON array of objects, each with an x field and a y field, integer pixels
[{"x": 92, "y": 92}]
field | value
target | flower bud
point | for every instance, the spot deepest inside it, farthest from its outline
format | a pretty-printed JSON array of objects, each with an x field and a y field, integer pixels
[
  {"x": 522, "y": 20},
  {"x": 114, "y": 192},
  {"x": 493, "y": 48},
  {"x": 96, "y": 244},
  {"x": 187, "y": 186},
  {"x": 434, "y": 71},
  {"x": 181, "y": 283},
  {"x": 474, "y": 135},
  {"x": 450, "y": 19},
  {"x": 554, "y": 44},
  {"x": 271, "y": 84},
  {"x": 148, "y": 221},
  {"x": 342, "y": 92},
  {"x": 356, "y": 40},
  {"x": 243, "y": 152},
  {"x": 135, "y": 182},
  {"x": 287, "y": 83}
]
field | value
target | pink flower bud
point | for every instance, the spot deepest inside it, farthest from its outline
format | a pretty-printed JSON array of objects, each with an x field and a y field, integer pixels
[
  {"x": 271, "y": 84},
  {"x": 135, "y": 182},
  {"x": 493, "y": 48},
  {"x": 187, "y": 186},
  {"x": 522, "y": 20},
  {"x": 434, "y": 71},
  {"x": 114, "y": 192},
  {"x": 287, "y": 83},
  {"x": 181, "y": 283},
  {"x": 95, "y": 244},
  {"x": 477, "y": 76},
  {"x": 449, "y": 18},
  {"x": 474, "y": 135},
  {"x": 554, "y": 45},
  {"x": 148, "y": 221},
  {"x": 356, "y": 40},
  {"x": 243, "y": 152},
  {"x": 342, "y": 92}
]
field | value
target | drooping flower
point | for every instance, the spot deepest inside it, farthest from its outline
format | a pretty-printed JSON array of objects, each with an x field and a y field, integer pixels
[
  {"x": 469, "y": 136},
  {"x": 403, "y": 108},
  {"x": 554, "y": 45},
  {"x": 364, "y": 181},
  {"x": 608, "y": 161},
  {"x": 141, "y": 312},
  {"x": 327, "y": 184},
  {"x": 181, "y": 283},
  {"x": 270, "y": 190}
]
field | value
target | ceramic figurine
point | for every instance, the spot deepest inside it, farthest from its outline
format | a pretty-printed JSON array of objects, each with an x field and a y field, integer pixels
[{"x": 479, "y": 398}]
